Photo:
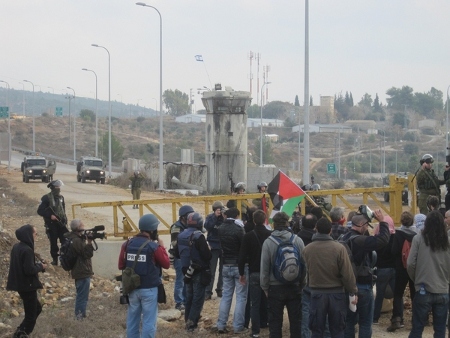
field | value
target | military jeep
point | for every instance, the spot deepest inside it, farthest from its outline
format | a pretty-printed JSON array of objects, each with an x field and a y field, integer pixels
[
  {"x": 37, "y": 168},
  {"x": 90, "y": 168}
]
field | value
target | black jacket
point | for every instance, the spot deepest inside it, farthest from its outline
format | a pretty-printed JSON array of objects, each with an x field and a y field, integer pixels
[
  {"x": 230, "y": 236},
  {"x": 251, "y": 249},
  {"x": 306, "y": 235},
  {"x": 23, "y": 269},
  {"x": 385, "y": 259},
  {"x": 46, "y": 211},
  {"x": 400, "y": 236}
]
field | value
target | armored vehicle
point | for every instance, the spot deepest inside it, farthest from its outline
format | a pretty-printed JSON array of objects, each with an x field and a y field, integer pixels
[
  {"x": 90, "y": 168},
  {"x": 37, "y": 168}
]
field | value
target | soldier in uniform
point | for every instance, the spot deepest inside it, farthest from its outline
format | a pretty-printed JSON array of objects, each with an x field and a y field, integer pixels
[
  {"x": 262, "y": 188},
  {"x": 427, "y": 183},
  {"x": 136, "y": 182},
  {"x": 53, "y": 209}
]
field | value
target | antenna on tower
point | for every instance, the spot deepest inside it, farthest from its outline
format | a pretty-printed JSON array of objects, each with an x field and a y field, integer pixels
[
  {"x": 257, "y": 57},
  {"x": 250, "y": 56}
]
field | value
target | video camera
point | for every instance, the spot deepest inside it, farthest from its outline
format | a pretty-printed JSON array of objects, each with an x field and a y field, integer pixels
[{"x": 94, "y": 233}]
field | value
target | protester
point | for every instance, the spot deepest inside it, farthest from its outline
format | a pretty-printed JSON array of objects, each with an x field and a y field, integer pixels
[
  {"x": 338, "y": 222},
  {"x": 330, "y": 275},
  {"x": 23, "y": 278},
  {"x": 281, "y": 295},
  {"x": 250, "y": 254},
  {"x": 419, "y": 222},
  {"x": 143, "y": 301},
  {"x": 428, "y": 266}
]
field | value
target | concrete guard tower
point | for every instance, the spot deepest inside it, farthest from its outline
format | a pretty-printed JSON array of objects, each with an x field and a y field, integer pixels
[{"x": 226, "y": 137}]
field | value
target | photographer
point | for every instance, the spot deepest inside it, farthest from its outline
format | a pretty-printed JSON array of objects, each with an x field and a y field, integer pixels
[
  {"x": 153, "y": 256},
  {"x": 53, "y": 209},
  {"x": 361, "y": 246},
  {"x": 82, "y": 271}
]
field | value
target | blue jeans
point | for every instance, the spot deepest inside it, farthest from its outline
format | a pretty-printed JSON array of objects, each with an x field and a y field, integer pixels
[
  {"x": 179, "y": 293},
  {"x": 230, "y": 283},
  {"x": 195, "y": 297},
  {"x": 331, "y": 306},
  {"x": 142, "y": 302},
  {"x": 289, "y": 296},
  {"x": 82, "y": 285},
  {"x": 422, "y": 304},
  {"x": 216, "y": 256},
  {"x": 385, "y": 277},
  {"x": 363, "y": 315},
  {"x": 258, "y": 303},
  {"x": 306, "y": 301}
]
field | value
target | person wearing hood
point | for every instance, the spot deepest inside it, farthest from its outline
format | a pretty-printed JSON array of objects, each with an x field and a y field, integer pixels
[
  {"x": 280, "y": 295},
  {"x": 23, "y": 278},
  {"x": 406, "y": 233},
  {"x": 53, "y": 209},
  {"x": 419, "y": 222}
]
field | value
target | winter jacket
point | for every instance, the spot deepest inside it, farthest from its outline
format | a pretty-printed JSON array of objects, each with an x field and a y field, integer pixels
[
  {"x": 306, "y": 235},
  {"x": 23, "y": 269},
  {"x": 399, "y": 237},
  {"x": 212, "y": 224},
  {"x": 328, "y": 265},
  {"x": 84, "y": 252},
  {"x": 267, "y": 258},
  {"x": 385, "y": 259},
  {"x": 251, "y": 249},
  {"x": 428, "y": 268},
  {"x": 231, "y": 233}
]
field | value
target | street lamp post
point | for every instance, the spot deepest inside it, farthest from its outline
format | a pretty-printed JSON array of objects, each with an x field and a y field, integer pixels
[
  {"x": 446, "y": 135},
  {"x": 261, "y": 129},
  {"x": 34, "y": 135},
  {"x": 96, "y": 111},
  {"x": 161, "y": 162},
  {"x": 74, "y": 129},
  {"x": 9, "y": 125},
  {"x": 23, "y": 98},
  {"x": 109, "y": 99}
]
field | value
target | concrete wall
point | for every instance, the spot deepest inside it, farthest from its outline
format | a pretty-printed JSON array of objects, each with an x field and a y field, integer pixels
[{"x": 256, "y": 175}]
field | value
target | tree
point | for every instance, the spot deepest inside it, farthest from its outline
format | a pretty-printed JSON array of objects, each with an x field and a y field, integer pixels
[
  {"x": 342, "y": 108},
  {"x": 400, "y": 97},
  {"x": 267, "y": 151},
  {"x": 399, "y": 119},
  {"x": 427, "y": 103},
  {"x": 366, "y": 100},
  {"x": 254, "y": 111},
  {"x": 411, "y": 148},
  {"x": 176, "y": 102},
  {"x": 297, "y": 102},
  {"x": 277, "y": 110},
  {"x": 87, "y": 115},
  {"x": 376, "y": 105},
  {"x": 116, "y": 147}
]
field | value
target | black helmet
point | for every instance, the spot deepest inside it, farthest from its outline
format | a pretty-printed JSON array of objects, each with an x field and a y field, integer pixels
[
  {"x": 55, "y": 184},
  {"x": 195, "y": 220},
  {"x": 184, "y": 210}
]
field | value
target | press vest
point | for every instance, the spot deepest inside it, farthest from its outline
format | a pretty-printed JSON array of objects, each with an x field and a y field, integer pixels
[
  {"x": 188, "y": 251},
  {"x": 145, "y": 267}
]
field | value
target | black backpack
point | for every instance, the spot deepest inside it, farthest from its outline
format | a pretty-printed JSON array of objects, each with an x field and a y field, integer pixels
[
  {"x": 67, "y": 257},
  {"x": 366, "y": 267}
]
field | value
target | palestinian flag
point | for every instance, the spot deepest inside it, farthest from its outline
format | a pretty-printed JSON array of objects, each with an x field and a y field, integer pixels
[{"x": 285, "y": 194}]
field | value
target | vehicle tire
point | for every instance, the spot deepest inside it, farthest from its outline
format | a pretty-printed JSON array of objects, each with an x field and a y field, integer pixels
[
  {"x": 83, "y": 179},
  {"x": 50, "y": 178},
  {"x": 23, "y": 178},
  {"x": 78, "y": 178},
  {"x": 22, "y": 166},
  {"x": 27, "y": 179},
  {"x": 102, "y": 181},
  {"x": 386, "y": 197}
]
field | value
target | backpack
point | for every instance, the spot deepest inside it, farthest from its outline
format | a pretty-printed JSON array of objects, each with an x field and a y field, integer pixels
[
  {"x": 288, "y": 267},
  {"x": 345, "y": 243},
  {"x": 67, "y": 257},
  {"x": 406, "y": 248},
  {"x": 366, "y": 267}
]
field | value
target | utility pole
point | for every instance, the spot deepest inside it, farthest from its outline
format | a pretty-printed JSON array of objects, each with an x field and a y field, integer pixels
[
  {"x": 257, "y": 57},
  {"x": 250, "y": 56}
]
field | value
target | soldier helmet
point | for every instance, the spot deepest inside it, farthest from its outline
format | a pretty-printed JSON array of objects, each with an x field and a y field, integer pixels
[
  {"x": 195, "y": 220},
  {"x": 217, "y": 205},
  {"x": 262, "y": 184},
  {"x": 427, "y": 158},
  {"x": 306, "y": 187},
  {"x": 315, "y": 187},
  {"x": 55, "y": 184},
  {"x": 239, "y": 186},
  {"x": 185, "y": 210},
  {"x": 148, "y": 222},
  {"x": 136, "y": 172}
]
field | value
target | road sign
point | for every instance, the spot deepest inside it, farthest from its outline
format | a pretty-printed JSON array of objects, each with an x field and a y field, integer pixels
[
  {"x": 4, "y": 112},
  {"x": 331, "y": 168},
  {"x": 58, "y": 111}
]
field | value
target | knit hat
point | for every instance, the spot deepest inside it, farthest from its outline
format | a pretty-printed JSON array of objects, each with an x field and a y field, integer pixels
[{"x": 419, "y": 221}]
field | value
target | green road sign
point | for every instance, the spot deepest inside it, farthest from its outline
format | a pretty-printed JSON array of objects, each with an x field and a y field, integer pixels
[
  {"x": 4, "y": 112},
  {"x": 58, "y": 111},
  {"x": 331, "y": 168}
]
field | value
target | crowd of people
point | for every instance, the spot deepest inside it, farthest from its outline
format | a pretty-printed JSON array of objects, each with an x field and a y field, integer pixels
[{"x": 321, "y": 267}]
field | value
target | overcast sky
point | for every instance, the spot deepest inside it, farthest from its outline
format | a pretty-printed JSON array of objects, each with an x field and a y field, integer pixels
[{"x": 355, "y": 45}]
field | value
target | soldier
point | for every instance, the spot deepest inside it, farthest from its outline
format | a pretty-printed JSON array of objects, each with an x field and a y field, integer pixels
[
  {"x": 136, "y": 182},
  {"x": 262, "y": 188},
  {"x": 427, "y": 183},
  {"x": 53, "y": 209},
  {"x": 239, "y": 189}
]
